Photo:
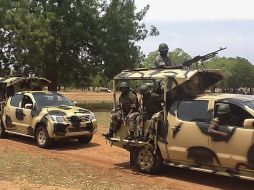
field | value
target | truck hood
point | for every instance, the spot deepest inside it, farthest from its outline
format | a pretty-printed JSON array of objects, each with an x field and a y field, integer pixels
[{"x": 68, "y": 111}]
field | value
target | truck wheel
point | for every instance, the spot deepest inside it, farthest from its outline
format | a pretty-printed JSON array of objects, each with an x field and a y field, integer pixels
[
  {"x": 3, "y": 134},
  {"x": 85, "y": 139},
  {"x": 146, "y": 161},
  {"x": 42, "y": 137}
]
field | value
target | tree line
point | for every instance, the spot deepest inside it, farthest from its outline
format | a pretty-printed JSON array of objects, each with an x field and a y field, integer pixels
[
  {"x": 85, "y": 43},
  {"x": 70, "y": 42}
]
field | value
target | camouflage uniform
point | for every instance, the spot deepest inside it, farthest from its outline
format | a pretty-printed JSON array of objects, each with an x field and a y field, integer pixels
[
  {"x": 151, "y": 104},
  {"x": 160, "y": 62},
  {"x": 128, "y": 110},
  {"x": 225, "y": 118},
  {"x": 16, "y": 72},
  {"x": 216, "y": 123},
  {"x": 162, "y": 59}
]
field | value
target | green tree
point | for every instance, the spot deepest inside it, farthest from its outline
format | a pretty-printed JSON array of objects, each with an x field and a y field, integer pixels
[
  {"x": 72, "y": 39},
  {"x": 238, "y": 72},
  {"x": 149, "y": 60},
  {"x": 122, "y": 28},
  {"x": 52, "y": 36},
  {"x": 178, "y": 56}
]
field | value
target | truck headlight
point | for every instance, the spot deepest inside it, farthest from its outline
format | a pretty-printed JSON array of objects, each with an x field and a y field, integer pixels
[
  {"x": 59, "y": 119},
  {"x": 92, "y": 116}
]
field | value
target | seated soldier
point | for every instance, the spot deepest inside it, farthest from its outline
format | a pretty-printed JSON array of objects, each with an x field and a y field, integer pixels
[
  {"x": 127, "y": 112},
  {"x": 224, "y": 118},
  {"x": 151, "y": 104}
]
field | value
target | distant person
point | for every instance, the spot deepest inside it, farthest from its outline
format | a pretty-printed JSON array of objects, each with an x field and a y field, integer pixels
[
  {"x": 16, "y": 70},
  {"x": 162, "y": 60}
]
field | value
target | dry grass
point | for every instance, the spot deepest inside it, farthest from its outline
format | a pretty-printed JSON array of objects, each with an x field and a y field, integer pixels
[
  {"x": 17, "y": 166},
  {"x": 93, "y": 101},
  {"x": 89, "y": 97}
]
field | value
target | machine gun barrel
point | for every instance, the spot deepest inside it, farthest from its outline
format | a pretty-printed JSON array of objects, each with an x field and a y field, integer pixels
[{"x": 202, "y": 58}]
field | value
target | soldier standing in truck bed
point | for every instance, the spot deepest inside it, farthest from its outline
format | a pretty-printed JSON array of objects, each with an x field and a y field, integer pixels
[
  {"x": 151, "y": 105},
  {"x": 127, "y": 111},
  {"x": 162, "y": 60}
]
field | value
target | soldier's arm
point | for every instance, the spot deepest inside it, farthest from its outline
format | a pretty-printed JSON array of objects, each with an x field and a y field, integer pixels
[
  {"x": 134, "y": 104},
  {"x": 213, "y": 129}
]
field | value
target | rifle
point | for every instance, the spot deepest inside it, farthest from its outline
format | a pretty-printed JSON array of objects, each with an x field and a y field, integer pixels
[
  {"x": 141, "y": 132},
  {"x": 201, "y": 58}
]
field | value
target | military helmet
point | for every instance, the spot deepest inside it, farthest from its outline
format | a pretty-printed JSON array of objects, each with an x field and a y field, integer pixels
[
  {"x": 144, "y": 89},
  {"x": 123, "y": 85},
  {"x": 158, "y": 83},
  {"x": 163, "y": 47},
  {"x": 16, "y": 64},
  {"x": 223, "y": 109}
]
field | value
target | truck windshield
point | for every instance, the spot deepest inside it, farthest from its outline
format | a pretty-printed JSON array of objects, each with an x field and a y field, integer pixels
[
  {"x": 51, "y": 99},
  {"x": 250, "y": 104}
]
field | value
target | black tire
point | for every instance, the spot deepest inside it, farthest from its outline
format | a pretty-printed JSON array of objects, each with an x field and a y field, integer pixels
[
  {"x": 42, "y": 137},
  {"x": 146, "y": 161},
  {"x": 3, "y": 134},
  {"x": 85, "y": 139}
]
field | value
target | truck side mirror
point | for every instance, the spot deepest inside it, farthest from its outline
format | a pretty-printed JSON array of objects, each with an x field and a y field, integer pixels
[
  {"x": 75, "y": 103},
  {"x": 29, "y": 106},
  {"x": 248, "y": 124}
]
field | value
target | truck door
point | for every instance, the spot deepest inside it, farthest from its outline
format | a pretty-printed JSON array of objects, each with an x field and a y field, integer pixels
[
  {"x": 233, "y": 150},
  {"x": 188, "y": 130},
  {"x": 25, "y": 117},
  {"x": 12, "y": 113}
]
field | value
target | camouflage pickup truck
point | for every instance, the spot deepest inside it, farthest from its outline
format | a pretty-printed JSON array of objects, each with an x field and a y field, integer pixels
[
  {"x": 181, "y": 135},
  {"x": 28, "y": 110}
]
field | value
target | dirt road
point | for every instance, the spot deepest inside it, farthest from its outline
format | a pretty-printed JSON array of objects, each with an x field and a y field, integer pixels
[
  {"x": 110, "y": 163},
  {"x": 114, "y": 162}
]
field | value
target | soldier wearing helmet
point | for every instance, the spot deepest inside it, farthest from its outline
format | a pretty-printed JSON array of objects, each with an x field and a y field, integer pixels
[
  {"x": 151, "y": 101},
  {"x": 151, "y": 104},
  {"x": 127, "y": 112},
  {"x": 16, "y": 69},
  {"x": 162, "y": 60},
  {"x": 223, "y": 118},
  {"x": 158, "y": 88}
]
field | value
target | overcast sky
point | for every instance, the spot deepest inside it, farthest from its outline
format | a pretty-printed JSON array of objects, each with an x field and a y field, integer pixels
[{"x": 200, "y": 26}]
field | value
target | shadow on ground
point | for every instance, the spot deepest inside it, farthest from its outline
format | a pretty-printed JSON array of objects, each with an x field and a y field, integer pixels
[
  {"x": 212, "y": 180},
  {"x": 59, "y": 145}
]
